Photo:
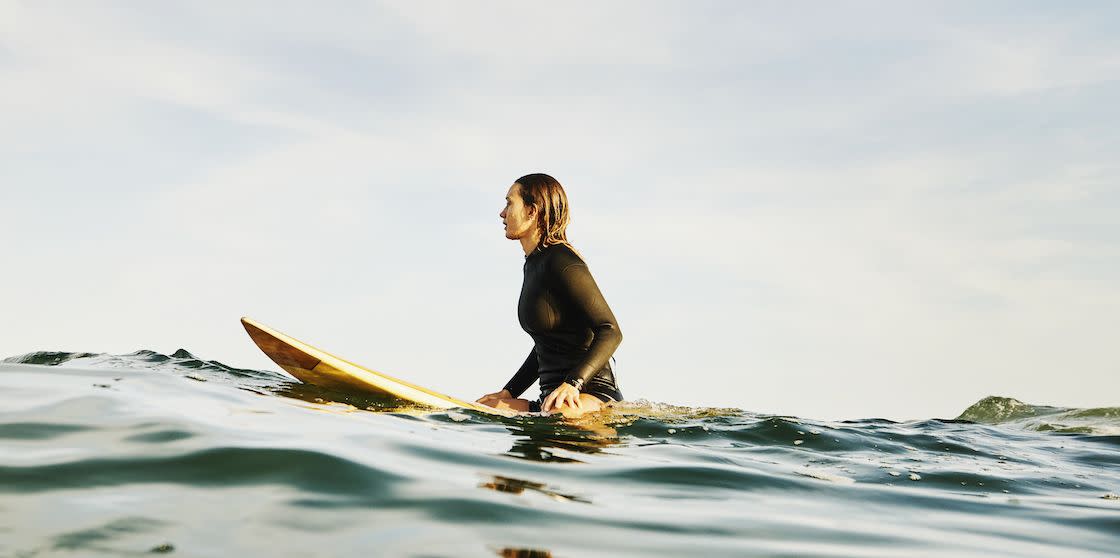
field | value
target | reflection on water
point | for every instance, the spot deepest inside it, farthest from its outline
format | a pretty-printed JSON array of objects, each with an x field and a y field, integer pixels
[
  {"x": 523, "y": 553},
  {"x": 517, "y": 486},
  {"x": 317, "y": 394},
  {"x": 536, "y": 439}
]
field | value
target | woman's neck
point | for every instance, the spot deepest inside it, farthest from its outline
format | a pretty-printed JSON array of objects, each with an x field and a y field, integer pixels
[{"x": 530, "y": 242}]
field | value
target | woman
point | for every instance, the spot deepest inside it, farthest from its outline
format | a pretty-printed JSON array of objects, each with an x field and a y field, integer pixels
[{"x": 574, "y": 332}]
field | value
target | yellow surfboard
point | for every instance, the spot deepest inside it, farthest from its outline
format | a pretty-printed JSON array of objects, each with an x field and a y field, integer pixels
[{"x": 321, "y": 368}]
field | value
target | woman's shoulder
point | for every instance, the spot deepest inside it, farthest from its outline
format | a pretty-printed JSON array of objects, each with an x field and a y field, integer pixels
[{"x": 561, "y": 256}]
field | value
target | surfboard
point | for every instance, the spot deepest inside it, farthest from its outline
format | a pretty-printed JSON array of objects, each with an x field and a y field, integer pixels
[{"x": 316, "y": 366}]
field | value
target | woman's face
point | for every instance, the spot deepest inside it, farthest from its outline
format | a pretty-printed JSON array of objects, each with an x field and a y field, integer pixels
[{"x": 518, "y": 218}]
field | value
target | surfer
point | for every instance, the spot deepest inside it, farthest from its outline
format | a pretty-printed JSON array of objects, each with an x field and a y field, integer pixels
[{"x": 574, "y": 331}]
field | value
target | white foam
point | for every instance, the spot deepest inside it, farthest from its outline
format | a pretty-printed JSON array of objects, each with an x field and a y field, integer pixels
[
  {"x": 838, "y": 479},
  {"x": 457, "y": 416}
]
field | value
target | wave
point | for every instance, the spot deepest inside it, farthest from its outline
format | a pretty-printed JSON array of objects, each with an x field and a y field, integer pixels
[
  {"x": 142, "y": 359},
  {"x": 991, "y": 410},
  {"x": 109, "y": 455},
  {"x": 1007, "y": 411}
]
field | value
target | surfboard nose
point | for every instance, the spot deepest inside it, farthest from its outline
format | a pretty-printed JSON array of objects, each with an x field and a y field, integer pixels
[{"x": 278, "y": 350}]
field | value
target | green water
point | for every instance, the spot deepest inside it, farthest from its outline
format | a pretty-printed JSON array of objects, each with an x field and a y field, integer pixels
[{"x": 122, "y": 455}]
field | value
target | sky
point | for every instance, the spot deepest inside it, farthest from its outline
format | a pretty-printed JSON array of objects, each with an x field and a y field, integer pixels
[{"x": 821, "y": 209}]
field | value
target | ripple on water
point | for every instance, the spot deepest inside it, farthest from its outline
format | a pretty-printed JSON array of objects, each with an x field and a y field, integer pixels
[{"x": 248, "y": 462}]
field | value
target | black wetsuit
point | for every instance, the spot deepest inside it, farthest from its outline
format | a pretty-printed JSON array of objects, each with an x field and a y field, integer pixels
[{"x": 574, "y": 331}]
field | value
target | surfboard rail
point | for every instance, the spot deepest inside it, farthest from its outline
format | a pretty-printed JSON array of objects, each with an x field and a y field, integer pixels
[{"x": 312, "y": 365}]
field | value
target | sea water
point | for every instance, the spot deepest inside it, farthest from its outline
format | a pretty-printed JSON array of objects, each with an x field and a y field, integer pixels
[{"x": 142, "y": 454}]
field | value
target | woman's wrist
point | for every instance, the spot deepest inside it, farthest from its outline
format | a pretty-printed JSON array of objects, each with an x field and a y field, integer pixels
[{"x": 575, "y": 382}]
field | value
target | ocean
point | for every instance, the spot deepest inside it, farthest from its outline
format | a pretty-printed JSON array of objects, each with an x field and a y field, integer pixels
[{"x": 145, "y": 453}]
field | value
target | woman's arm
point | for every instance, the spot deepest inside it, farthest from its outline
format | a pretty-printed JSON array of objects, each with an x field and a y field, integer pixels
[
  {"x": 525, "y": 376},
  {"x": 577, "y": 284}
]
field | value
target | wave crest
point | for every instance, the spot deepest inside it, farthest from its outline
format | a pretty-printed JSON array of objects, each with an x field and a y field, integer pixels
[{"x": 1042, "y": 418}]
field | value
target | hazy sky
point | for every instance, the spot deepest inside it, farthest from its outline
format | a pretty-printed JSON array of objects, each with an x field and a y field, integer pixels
[{"x": 829, "y": 209}]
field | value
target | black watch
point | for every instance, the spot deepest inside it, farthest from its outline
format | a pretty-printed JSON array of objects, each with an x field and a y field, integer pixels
[{"x": 575, "y": 382}]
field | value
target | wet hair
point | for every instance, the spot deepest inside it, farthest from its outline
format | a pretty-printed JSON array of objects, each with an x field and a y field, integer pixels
[{"x": 547, "y": 195}]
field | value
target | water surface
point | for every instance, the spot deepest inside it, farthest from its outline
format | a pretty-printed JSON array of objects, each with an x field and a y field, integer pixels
[{"x": 140, "y": 454}]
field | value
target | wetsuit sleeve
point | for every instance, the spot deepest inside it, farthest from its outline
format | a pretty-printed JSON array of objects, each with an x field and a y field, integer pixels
[
  {"x": 525, "y": 376},
  {"x": 579, "y": 287}
]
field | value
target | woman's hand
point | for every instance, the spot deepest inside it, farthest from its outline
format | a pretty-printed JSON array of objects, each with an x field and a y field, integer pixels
[
  {"x": 565, "y": 393},
  {"x": 492, "y": 399}
]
